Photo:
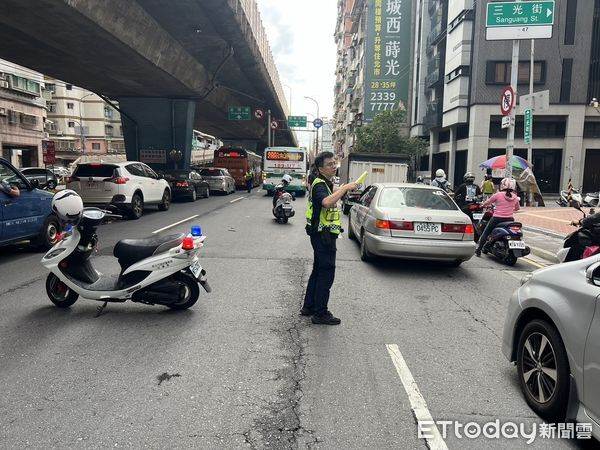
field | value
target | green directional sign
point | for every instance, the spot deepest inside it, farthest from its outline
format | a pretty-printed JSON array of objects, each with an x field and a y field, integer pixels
[
  {"x": 297, "y": 121},
  {"x": 510, "y": 14},
  {"x": 528, "y": 125},
  {"x": 240, "y": 113}
]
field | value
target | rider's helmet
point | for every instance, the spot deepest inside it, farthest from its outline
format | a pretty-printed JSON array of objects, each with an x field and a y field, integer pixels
[
  {"x": 287, "y": 179},
  {"x": 440, "y": 173},
  {"x": 419, "y": 179},
  {"x": 469, "y": 177},
  {"x": 508, "y": 184},
  {"x": 68, "y": 206}
]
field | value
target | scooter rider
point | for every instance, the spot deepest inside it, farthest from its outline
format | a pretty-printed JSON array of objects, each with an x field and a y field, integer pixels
[
  {"x": 280, "y": 188},
  {"x": 506, "y": 202},
  {"x": 440, "y": 180},
  {"x": 467, "y": 192}
]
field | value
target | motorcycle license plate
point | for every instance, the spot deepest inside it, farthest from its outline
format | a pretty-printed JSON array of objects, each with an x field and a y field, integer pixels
[
  {"x": 428, "y": 228},
  {"x": 516, "y": 245},
  {"x": 477, "y": 216},
  {"x": 196, "y": 269},
  {"x": 287, "y": 207}
]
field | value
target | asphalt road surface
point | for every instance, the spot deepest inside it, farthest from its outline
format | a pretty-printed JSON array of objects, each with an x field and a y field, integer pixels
[{"x": 241, "y": 368}]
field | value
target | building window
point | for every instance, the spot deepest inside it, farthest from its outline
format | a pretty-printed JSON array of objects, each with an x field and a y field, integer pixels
[
  {"x": 50, "y": 87},
  {"x": 28, "y": 120},
  {"x": 109, "y": 130},
  {"x": 594, "y": 78},
  {"x": 71, "y": 124},
  {"x": 95, "y": 146},
  {"x": 565, "y": 83},
  {"x": 498, "y": 72},
  {"x": 571, "y": 22},
  {"x": 70, "y": 105},
  {"x": 25, "y": 85},
  {"x": 51, "y": 107},
  {"x": 546, "y": 128},
  {"x": 68, "y": 87},
  {"x": 591, "y": 130},
  {"x": 108, "y": 112}
]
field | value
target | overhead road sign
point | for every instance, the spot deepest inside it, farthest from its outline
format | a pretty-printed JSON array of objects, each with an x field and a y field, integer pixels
[
  {"x": 240, "y": 113},
  {"x": 520, "y": 20},
  {"x": 297, "y": 121}
]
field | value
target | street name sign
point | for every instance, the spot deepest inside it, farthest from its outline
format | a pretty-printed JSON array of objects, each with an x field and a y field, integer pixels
[
  {"x": 528, "y": 125},
  {"x": 240, "y": 113},
  {"x": 507, "y": 101},
  {"x": 297, "y": 121},
  {"x": 519, "y": 20}
]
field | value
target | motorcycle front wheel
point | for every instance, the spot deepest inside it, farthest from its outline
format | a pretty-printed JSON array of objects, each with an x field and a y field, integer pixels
[{"x": 59, "y": 293}]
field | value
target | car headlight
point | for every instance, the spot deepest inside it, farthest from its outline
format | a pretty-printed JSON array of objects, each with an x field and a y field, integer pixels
[{"x": 526, "y": 278}]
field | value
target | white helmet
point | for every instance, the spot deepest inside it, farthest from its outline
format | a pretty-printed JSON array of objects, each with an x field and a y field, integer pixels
[
  {"x": 440, "y": 173},
  {"x": 508, "y": 184},
  {"x": 287, "y": 178},
  {"x": 67, "y": 205}
]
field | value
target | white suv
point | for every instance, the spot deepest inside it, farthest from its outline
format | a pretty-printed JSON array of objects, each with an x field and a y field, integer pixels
[{"x": 128, "y": 185}]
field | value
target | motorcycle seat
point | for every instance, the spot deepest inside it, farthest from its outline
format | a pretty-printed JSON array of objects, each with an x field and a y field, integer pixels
[
  {"x": 130, "y": 251},
  {"x": 509, "y": 224}
]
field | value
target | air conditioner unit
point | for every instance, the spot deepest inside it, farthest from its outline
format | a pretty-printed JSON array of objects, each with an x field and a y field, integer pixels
[
  {"x": 2, "y": 111},
  {"x": 4, "y": 84}
]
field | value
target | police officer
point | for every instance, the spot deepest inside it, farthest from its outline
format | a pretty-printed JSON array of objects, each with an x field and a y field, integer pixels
[
  {"x": 323, "y": 225},
  {"x": 249, "y": 178}
]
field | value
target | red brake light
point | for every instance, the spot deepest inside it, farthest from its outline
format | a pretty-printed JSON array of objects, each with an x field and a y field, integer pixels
[
  {"x": 458, "y": 228},
  {"x": 182, "y": 184},
  {"x": 188, "y": 243},
  {"x": 117, "y": 180},
  {"x": 394, "y": 225}
]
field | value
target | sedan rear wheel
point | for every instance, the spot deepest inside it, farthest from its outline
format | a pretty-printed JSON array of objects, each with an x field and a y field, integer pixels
[
  {"x": 194, "y": 195},
  {"x": 543, "y": 370},
  {"x": 207, "y": 193},
  {"x": 351, "y": 234},
  {"x": 365, "y": 255}
]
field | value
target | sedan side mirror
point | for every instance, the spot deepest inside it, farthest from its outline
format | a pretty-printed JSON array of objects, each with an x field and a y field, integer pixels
[{"x": 592, "y": 274}]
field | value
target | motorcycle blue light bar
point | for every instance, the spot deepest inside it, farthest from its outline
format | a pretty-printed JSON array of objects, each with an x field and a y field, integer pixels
[{"x": 196, "y": 230}]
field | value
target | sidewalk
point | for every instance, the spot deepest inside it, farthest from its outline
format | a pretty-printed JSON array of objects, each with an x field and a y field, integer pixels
[{"x": 545, "y": 229}]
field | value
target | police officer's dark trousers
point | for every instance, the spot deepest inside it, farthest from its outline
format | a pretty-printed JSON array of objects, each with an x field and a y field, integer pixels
[{"x": 323, "y": 273}]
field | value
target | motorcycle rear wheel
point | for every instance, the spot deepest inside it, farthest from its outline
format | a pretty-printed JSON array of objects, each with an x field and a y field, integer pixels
[
  {"x": 192, "y": 291},
  {"x": 59, "y": 293}
]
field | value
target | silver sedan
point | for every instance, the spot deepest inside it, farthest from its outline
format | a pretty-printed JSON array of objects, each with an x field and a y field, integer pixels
[
  {"x": 412, "y": 222},
  {"x": 552, "y": 332}
]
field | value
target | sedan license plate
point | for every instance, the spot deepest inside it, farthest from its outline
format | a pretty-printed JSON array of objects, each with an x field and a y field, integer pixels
[
  {"x": 477, "y": 216},
  {"x": 519, "y": 245},
  {"x": 196, "y": 269},
  {"x": 93, "y": 186},
  {"x": 428, "y": 228}
]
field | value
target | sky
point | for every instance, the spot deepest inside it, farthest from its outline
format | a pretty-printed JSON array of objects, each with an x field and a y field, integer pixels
[{"x": 300, "y": 33}]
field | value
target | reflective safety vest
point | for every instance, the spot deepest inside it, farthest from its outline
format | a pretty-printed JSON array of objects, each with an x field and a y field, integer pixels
[
  {"x": 248, "y": 176},
  {"x": 330, "y": 219}
]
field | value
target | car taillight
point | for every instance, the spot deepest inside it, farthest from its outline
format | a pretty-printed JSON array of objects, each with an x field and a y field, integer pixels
[
  {"x": 71, "y": 179},
  {"x": 394, "y": 225},
  {"x": 117, "y": 180},
  {"x": 458, "y": 228},
  {"x": 182, "y": 184},
  {"x": 188, "y": 243},
  {"x": 474, "y": 207}
]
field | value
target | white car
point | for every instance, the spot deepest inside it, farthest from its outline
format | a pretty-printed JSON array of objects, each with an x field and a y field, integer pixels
[{"x": 127, "y": 185}]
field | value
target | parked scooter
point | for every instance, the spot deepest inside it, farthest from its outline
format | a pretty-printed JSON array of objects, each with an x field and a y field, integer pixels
[
  {"x": 591, "y": 199},
  {"x": 582, "y": 243},
  {"x": 564, "y": 201},
  {"x": 154, "y": 271},
  {"x": 505, "y": 241}
]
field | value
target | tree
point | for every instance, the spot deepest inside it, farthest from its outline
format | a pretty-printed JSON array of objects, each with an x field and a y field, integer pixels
[{"x": 383, "y": 135}]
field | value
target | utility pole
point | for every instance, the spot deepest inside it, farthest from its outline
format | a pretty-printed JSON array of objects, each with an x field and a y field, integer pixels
[
  {"x": 268, "y": 128},
  {"x": 531, "y": 73},
  {"x": 510, "y": 135}
]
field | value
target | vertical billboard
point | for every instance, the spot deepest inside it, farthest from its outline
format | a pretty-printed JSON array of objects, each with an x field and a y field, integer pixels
[{"x": 387, "y": 56}]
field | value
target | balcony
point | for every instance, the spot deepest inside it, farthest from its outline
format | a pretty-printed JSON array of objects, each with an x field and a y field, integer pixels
[
  {"x": 437, "y": 32},
  {"x": 433, "y": 116}
]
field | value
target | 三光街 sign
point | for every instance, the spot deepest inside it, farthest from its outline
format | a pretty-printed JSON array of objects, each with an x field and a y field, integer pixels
[{"x": 387, "y": 56}]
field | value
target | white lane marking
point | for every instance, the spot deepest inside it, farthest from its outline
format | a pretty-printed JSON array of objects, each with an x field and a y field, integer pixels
[
  {"x": 175, "y": 224},
  {"x": 417, "y": 402},
  {"x": 237, "y": 199}
]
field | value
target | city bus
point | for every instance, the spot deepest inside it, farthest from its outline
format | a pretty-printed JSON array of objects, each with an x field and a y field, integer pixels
[
  {"x": 238, "y": 161},
  {"x": 281, "y": 160}
]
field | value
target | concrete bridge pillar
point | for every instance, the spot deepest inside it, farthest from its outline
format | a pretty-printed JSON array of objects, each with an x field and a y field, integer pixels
[{"x": 154, "y": 127}]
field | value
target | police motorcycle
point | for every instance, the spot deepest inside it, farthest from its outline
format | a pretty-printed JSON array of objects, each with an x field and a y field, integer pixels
[
  {"x": 154, "y": 270},
  {"x": 282, "y": 201},
  {"x": 583, "y": 242},
  {"x": 591, "y": 199},
  {"x": 567, "y": 196}
]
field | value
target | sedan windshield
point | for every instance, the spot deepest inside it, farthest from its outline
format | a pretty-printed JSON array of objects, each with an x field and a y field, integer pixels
[{"x": 407, "y": 197}]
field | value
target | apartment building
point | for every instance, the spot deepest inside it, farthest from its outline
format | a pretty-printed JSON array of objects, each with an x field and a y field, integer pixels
[
  {"x": 458, "y": 76},
  {"x": 81, "y": 123},
  {"x": 22, "y": 114}
]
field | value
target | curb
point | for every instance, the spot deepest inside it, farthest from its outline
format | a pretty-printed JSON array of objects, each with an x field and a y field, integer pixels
[
  {"x": 544, "y": 254},
  {"x": 544, "y": 232}
]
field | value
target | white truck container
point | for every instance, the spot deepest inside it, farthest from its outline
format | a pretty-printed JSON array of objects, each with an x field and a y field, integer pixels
[{"x": 379, "y": 172}]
